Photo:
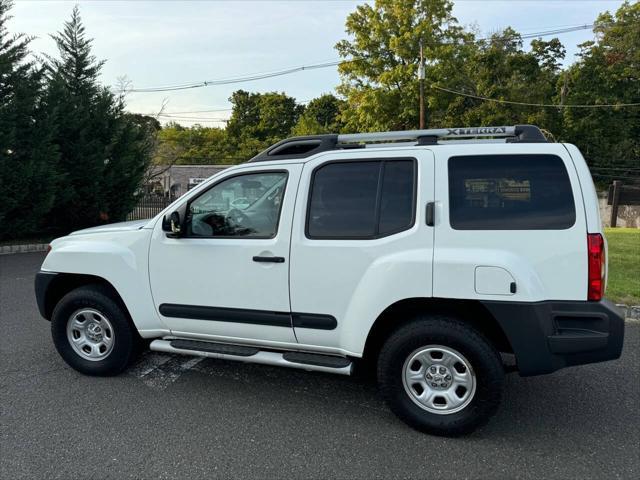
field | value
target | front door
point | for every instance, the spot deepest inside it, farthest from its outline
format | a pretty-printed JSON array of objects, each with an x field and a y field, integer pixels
[{"x": 227, "y": 277}]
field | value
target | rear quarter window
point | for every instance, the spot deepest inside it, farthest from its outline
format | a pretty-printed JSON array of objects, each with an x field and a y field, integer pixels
[{"x": 510, "y": 192}]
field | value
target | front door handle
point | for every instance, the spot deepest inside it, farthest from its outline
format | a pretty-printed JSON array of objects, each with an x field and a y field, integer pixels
[{"x": 269, "y": 259}]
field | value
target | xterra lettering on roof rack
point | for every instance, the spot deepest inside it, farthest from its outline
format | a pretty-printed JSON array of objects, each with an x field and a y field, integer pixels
[
  {"x": 477, "y": 130},
  {"x": 303, "y": 147}
]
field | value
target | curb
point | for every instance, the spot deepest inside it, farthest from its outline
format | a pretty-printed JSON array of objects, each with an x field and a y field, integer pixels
[
  {"x": 630, "y": 312},
  {"x": 25, "y": 248}
]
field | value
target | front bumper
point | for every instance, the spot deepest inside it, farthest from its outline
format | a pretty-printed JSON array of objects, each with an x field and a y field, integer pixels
[
  {"x": 547, "y": 336},
  {"x": 42, "y": 283}
]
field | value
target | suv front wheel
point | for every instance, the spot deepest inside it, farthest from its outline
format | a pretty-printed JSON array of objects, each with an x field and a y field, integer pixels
[
  {"x": 92, "y": 331},
  {"x": 440, "y": 376}
]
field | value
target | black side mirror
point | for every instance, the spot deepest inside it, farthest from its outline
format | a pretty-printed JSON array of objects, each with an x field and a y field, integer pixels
[{"x": 172, "y": 224}]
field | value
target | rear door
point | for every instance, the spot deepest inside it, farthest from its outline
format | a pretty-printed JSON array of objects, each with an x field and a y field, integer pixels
[
  {"x": 510, "y": 224},
  {"x": 359, "y": 242}
]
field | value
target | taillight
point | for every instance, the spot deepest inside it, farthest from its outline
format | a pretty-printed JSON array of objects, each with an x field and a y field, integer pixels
[{"x": 595, "y": 247}]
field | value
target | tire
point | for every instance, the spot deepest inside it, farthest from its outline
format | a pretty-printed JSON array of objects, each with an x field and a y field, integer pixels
[
  {"x": 445, "y": 406},
  {"x": 105, "y": 333}
]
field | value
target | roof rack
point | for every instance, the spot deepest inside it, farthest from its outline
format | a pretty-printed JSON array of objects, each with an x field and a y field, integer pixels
[{"x": 302, "y": 147}]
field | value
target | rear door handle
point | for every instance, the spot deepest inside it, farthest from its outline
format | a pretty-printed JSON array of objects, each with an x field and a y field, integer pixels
[
  {"x": 269, "y": 259},
  {"x": 431, "y": 207}
]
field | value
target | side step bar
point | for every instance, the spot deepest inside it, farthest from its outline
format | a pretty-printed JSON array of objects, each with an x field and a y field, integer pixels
[{"x": 304, "y": 361}]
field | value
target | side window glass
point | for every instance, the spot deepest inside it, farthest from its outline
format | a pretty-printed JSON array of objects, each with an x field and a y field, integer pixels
[
  {"x": 510, "y": 192},
  {"x": 361, "y": 199},
  {"x": 246, "y": 206},
  {"x": 343, "y": 200}
]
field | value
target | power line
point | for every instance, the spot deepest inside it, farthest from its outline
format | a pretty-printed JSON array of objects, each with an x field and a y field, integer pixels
[
  {"x": 229, "y": 81},
  {"x": 288, "y": 71},
  {"x": 214, "y": 110},
  {"x": 191, "y": 116},
  {"x": 553, "y": 32},
  {"x": 186, "y": 118},
  {"x": 526, "y": 104}
]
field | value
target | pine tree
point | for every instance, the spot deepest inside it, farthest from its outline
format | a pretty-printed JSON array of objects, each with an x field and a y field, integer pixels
[
  {"x": 103, "y": 152},
  {"x": 27, "y": 155}
]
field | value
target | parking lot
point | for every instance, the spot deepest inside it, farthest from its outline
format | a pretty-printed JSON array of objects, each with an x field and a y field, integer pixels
[{"x": 187, "y": 417}]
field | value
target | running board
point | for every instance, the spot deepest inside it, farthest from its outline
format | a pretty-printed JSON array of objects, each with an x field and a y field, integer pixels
[{"x": 304, "y": 361}]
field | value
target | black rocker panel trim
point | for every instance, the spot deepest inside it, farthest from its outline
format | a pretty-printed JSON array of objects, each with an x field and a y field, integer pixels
[
  {"x": 316, "y": 321},
  {"x": 253, "y": 317},
  {"x": 232, "y": 315}
]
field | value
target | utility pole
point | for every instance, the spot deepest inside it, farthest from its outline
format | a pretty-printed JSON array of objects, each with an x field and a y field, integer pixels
[{"x": 421, "y": 80}]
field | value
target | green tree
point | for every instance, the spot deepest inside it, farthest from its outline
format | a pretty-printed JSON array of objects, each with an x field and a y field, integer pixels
[
  {"x": 103, "y": 151},
  {"x": 146, "y": 122},
  {"x": 259, "y": 119},
  {"x": 607, "y": 72},
  {"x": 549, "y": 54},
  {"x": 245, "y": 112},
  {"x": 27, "y": 155},
  {"x": 499, "y": 68},
  {"x": 131, "y": 148},
  {"x": 379, "y": 76},
  {"x": 193, "y": 146},
  {"x": 321, "y": 115}
]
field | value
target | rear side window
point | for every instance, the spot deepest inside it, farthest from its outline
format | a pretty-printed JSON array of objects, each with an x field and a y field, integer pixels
[
  {"x": 510, "y": 192},
  {"x": 361, "y": 199}
]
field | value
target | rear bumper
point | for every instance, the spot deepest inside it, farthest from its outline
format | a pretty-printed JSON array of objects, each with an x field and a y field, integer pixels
[
  {"x": 42, "y": 282},
  {"x": 547, "y": 336}
]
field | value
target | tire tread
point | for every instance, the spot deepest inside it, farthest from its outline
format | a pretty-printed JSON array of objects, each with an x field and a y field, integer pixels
[
  {"x": 445, "y": 328},
  {"x": 126, "y": 336}
]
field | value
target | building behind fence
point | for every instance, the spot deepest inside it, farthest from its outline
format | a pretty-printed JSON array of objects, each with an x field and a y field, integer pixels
[
  {"x": 177, "y": 180},
  {"x": 149, "y": 205},
  {"x": 167, "y": 184}
]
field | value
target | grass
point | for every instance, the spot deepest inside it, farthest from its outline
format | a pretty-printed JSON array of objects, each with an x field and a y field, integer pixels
[{"x": 624, "y": 265}]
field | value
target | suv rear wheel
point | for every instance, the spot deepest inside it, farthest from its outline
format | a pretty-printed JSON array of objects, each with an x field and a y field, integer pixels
[
  {"x": 440, "y": 376},
  {"x": 92, "y": 331}
]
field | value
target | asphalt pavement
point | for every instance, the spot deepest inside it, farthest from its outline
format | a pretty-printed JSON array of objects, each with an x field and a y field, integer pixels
[{"x": 185, "y": 417}]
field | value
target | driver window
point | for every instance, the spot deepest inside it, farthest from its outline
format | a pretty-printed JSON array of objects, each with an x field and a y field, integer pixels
[{"x": 246, "y": 206}]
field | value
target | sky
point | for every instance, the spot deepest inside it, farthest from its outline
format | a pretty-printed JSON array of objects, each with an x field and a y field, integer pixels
[{"x": 173, "y": 42}]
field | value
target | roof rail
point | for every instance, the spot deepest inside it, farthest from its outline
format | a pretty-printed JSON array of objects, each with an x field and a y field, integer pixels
[
  {"x": 302, "y": 147},
  {"x": 517, "y": 133}
]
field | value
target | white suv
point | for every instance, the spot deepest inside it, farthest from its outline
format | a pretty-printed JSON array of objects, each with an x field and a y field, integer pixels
[{"x": 434, "y": 255}]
